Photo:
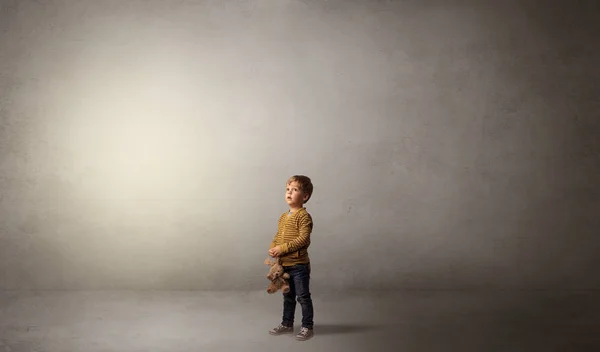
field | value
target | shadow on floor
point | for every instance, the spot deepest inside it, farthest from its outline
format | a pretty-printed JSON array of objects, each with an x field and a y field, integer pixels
[{"x": 330, "y": 329}]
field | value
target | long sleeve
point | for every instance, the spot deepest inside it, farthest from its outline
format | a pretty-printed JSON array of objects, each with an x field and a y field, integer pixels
[
  {"x": 303, "y": 240},
  {"x": 274, "y": 241}
]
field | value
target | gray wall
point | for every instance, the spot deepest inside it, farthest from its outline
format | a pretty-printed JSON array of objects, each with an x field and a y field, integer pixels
[{"x": 146, "y": 144}]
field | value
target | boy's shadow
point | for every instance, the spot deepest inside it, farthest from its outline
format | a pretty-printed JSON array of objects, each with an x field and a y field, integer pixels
[{"x": 330, "y": 329}]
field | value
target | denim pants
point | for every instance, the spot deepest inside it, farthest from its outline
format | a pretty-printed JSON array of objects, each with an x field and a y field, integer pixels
[{"x": 299, "y": 288}]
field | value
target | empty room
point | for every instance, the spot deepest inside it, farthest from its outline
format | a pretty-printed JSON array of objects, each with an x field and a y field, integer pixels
[{"x": 299, "y": 175}]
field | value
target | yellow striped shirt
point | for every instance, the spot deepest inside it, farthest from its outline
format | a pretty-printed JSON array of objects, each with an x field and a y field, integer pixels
[{"x": 293, "y": 237}]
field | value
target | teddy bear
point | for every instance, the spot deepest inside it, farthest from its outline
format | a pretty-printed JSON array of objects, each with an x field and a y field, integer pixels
[{"x": 278, "y": 278}]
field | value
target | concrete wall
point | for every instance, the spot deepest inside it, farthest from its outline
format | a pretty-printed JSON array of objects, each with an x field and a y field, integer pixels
[{"x": 146, "y": 144}]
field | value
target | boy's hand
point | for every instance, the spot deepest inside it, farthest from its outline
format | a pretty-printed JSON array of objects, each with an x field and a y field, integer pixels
[{"x": 275, "y": 251}]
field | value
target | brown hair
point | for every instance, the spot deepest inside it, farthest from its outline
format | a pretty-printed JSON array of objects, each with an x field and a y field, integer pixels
[{"x": 305, "y": 184}]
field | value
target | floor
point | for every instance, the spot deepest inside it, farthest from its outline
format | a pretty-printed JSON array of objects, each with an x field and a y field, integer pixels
[{"x": 351, "y": 321}]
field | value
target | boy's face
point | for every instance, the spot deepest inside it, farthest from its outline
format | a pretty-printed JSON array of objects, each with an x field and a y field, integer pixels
[{"x": 294, "y": 196}]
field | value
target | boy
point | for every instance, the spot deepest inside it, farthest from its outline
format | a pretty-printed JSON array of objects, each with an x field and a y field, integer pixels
[{"x": 290, "y": 244}]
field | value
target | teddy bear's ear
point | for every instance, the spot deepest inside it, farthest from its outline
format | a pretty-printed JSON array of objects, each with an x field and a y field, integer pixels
[{"x": 268, "y": 262}]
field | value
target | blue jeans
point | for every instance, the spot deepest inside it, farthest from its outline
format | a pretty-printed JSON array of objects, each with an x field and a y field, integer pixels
[{"x": 299, "y": 288}]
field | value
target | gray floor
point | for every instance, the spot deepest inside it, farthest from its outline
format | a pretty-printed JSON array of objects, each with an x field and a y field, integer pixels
[{"x": 350, "y": 321}]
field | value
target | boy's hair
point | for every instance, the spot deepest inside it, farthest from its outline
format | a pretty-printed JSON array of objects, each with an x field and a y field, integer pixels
[{"x": 305, "y": 184}]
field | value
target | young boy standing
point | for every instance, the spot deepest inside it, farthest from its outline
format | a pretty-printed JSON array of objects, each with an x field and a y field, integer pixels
[{"x": 290, "y": 244}]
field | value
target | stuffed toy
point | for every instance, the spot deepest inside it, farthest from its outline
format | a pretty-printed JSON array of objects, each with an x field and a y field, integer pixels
[{"x": 278, "y": 278}]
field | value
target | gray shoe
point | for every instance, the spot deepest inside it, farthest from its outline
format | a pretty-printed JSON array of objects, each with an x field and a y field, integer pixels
[
  {"x": 304, "y": 334},
  {"x": 281, "y": 329}
]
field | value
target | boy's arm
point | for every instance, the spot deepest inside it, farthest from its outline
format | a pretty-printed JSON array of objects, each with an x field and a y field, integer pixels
[
  {"x": 303, "y": 240},
  {"x": 275, "y": 237}
]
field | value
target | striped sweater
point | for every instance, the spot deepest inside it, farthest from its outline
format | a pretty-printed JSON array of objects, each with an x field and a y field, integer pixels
[{"x": 293, "y": 237}]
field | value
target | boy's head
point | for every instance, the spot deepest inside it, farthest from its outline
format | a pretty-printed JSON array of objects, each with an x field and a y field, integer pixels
[{"x": 298, "y": 190}]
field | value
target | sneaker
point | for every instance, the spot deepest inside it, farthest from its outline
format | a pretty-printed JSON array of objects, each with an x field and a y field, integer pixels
[
  {"x": 304, "y": 334},
  {"x": 281, "y": 329}
]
